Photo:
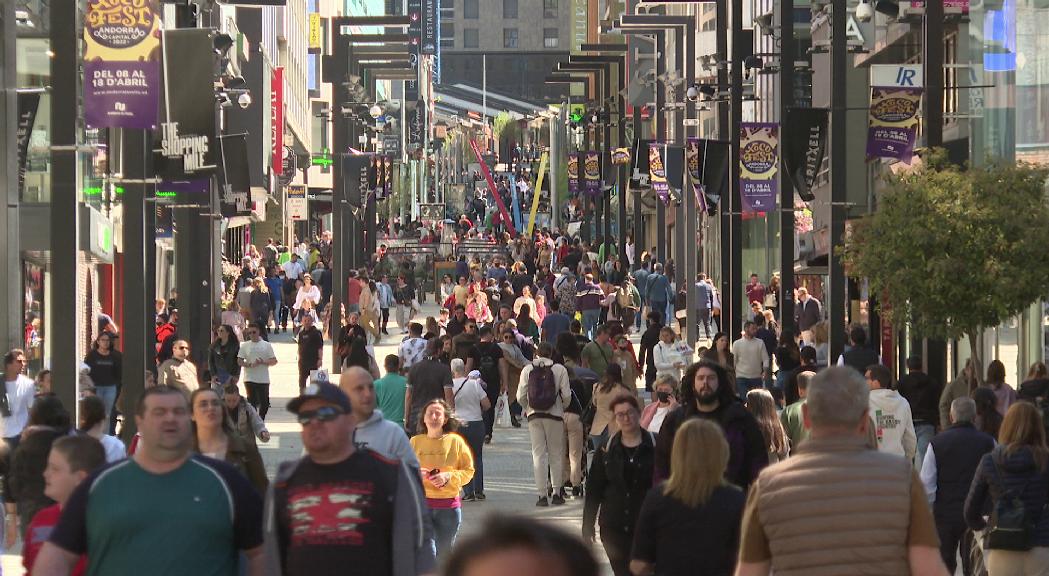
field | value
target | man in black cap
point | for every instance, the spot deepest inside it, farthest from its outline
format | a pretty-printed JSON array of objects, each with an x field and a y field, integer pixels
[{"x": 342, "y": 506}]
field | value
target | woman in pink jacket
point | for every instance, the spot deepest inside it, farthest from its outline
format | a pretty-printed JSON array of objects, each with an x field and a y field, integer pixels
[{"x": 664, "y": 392}]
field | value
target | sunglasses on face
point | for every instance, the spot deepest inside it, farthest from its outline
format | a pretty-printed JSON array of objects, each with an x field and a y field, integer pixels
[{"x": 322, "y": 414}]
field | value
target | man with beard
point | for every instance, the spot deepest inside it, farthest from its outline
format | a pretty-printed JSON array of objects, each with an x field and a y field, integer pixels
[{"x": 707, "y": 393}]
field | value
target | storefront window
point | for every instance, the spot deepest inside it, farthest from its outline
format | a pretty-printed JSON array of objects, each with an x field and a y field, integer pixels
[{"x": 34, "y": 332}]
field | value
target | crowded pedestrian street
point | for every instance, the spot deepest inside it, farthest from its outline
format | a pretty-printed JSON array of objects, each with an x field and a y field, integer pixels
[{"x": 524, "y": 287}]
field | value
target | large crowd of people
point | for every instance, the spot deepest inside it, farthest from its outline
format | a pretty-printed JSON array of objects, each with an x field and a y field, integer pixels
[{"x": 754, "y": 453}]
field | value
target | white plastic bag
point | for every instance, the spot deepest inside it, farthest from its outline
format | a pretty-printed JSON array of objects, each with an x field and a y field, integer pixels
[{"x": 502, "y": 411}]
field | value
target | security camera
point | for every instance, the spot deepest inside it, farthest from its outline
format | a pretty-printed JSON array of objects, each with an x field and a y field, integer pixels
[
  {"x": 864, "y": 11},
  {"x": 244, "y": 100},
  {"x": 692, "y": 93}
]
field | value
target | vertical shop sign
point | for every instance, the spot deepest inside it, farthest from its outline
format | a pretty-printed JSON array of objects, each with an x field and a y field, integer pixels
[
  {"x": 122, "y": 63},
  {"x": 277, "y": 120},
  {"x": 758, "y": 165}
]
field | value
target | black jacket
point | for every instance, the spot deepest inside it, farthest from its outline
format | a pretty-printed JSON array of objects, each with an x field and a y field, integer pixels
[
  {"x": 923, "y": 394},
  {"x": 224, "y": 358},
  {"x": 860, "y": 358},
  {"x": 608, "y": 489},
  {"x": 1021, "y": 476},
  {"x": 748, "y": 451}
]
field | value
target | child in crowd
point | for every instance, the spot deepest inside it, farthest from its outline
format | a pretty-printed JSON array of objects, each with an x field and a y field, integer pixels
[{"x": 72, "y": 459}]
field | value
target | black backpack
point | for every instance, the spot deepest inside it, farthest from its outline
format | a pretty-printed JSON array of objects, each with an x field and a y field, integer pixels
[{"x": 1012, "y": 525}]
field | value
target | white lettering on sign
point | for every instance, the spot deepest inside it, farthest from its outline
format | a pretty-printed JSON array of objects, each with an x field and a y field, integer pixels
[{"x": 192, "y": 149}]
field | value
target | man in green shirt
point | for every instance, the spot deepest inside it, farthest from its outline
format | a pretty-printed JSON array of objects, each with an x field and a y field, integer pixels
[
  {"x": 791, "y": 418},
  {"x": 206, "y": 516},
  {"x": 389, "y": 391},
  {"x": 597, "y": 355}
]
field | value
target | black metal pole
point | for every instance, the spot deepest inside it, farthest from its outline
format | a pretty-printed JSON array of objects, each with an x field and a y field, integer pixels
[
  {"x": 661, "y": 135},
  {"x": 733, "y": 292},
  {"x": 66, "y": 310},
  {"x": 604, "y": 155},
  {"x": 691, "y": 212},
  {"x": 340, "y": 258},
  {"x": 935, "y": 350},
  {"x": 639, "y": 227},
  {"x": 721, "y": 42},
  {"x": 623, "y": 176},
  {"x": 786, "y": 227},
  {"x": 679, "y": 140},
  {"x": 839, "y": 69},
  {"x": 138, "y": 335}
]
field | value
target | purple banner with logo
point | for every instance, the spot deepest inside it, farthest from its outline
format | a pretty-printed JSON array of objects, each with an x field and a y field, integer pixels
[
  {"x": 758, "y": 166},
  {"x": 592, "y": 170},
  {"x": 893, "y": 122},
  {"x": 657, "y": 172},
  {"x": 122, "y": 63},
  {"x": 573, "y": 173}
]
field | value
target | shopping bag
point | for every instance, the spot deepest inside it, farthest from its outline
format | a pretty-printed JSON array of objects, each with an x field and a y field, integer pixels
[{"x": 502, "y": 411}]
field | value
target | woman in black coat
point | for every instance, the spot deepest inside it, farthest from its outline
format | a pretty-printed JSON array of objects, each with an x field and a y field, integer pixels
[
  {"x": 24, "y": 484},
  {"x": 619, "y": 479}
]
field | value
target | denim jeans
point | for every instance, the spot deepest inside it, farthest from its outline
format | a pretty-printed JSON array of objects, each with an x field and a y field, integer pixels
[
  {"x": 744, "y": 385},
  {"x": 590, "y": 318},
  {"x": 445, "y": 527},
  {"x": 474, "y": 432},
  {"x": 108, "y": 394},
  {"x": 924, "y": 433}
]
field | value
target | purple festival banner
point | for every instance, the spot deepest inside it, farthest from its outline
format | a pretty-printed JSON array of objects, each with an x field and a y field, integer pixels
[
  {"x": 592, "y": 171},
  {"x": 893, "y": 123},
  {"x": 122, "y": 63},
  {"x": 657, "y": 172},
  {"x": 573, "y": 173},
  {"x": 758, "y": 166}
]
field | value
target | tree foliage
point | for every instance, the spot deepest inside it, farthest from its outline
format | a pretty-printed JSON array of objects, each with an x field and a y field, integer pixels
[{"x": 956, "y": 250}]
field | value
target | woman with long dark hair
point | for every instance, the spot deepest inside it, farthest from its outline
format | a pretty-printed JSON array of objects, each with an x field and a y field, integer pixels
[
  {"x": 788, "y": 357},
  {"x": 24, "y": 482},
  {"x": 93, "y": 423},
  {"x": 987, "y": 417},
  {"x": 358, "y": 356},
  {"x": 1005, "y": 393},
  {"x": 222, "y": 356},
  {"x": 1018, "y": 468},
  {"x": 215, "y": 437},
  {"x": 107, "y": 367},
  {"x": 526, "y": 324}
]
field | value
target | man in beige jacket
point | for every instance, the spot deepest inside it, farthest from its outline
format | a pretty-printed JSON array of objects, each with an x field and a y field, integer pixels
[{"x": 178, "y": 371}]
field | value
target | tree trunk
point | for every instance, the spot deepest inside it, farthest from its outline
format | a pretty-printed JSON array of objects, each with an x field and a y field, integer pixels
[{"x": 975, "y": 353}]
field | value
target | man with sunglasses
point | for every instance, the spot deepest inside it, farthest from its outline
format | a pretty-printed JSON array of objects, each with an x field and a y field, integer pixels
[
  {"x": 18, "y": 397},
  {"x": 341, "y": 507},
  {"x": 178, "y": 371}
]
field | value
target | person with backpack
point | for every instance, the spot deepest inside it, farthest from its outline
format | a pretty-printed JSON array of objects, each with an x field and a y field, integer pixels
[
  {"x": 1012, "y": 481},
  {"x": 544, "y": 392}
]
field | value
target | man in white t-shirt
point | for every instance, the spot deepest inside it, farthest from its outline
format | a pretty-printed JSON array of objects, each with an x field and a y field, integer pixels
[
  {"x": 15, "y": 404},
  {"x": 752, "y": 360},
  {"x": 256, "y": 356},
  {"x": 294, "y": 268}
]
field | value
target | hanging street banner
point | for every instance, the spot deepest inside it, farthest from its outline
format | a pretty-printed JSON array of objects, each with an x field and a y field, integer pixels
[
  {"x": 122, "y": 63},
  {"x": 297, "y": 203},
  {"x": 695, "y": 161},
  {"x": 573, "y": 173},
  {"x": 187, "y": 143},
  {"x": 355, "y": 178},
  {"x": 28, "y": 103},
  {"x": 503, "y": 215},
  {"x": 315, "y": 39},
  {"x": 277, "y": 120},
  {"x": 592, "y": 170},
  {"x": 657, "y": 172},
  {"x": 893, "y": 122},
  {"x": 430, "y": 26},
  {"x": 758, "y": 165},
  {"x": 804, "y": 146},
  {"x": 537, "y": 194}
]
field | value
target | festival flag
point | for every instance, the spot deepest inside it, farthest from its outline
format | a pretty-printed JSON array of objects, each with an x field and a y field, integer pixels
[
  {"x": 759, "y": 165},
  {"x": 695, "y": 161},
  {"x": 893, "y": 122},
  {"x": 657, "y": 172},
  {"x": 122, "y": 64},
  {"x": 573, "y": 173},
  {"x": 592, "y": 170},
  {"x": 804, "y": 145}
]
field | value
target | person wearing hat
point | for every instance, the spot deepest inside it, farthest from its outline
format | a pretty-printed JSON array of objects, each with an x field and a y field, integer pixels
[{"x": 340, "y": 505}]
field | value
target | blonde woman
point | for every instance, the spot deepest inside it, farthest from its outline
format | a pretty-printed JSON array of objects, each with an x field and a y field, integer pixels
[
  {"x": 665, "y": 355},
  {"x": 820, "y": 341},
  {"x": 689, "y": 525},
  {"x": 763, "y": 407}
]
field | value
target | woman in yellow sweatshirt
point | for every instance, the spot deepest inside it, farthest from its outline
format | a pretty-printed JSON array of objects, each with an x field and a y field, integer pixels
[{"x": 446, "y": 465}]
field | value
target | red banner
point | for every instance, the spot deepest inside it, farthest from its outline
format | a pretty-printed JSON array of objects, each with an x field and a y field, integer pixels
[
  {"x": 503, "y": 214},
  {"x": 277, "y": 120}
]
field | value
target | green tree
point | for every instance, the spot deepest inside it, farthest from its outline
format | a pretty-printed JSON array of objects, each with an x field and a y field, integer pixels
[{"x": 953, "y": 250}]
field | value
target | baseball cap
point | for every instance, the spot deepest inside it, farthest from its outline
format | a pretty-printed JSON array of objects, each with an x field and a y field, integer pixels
[{"x": 321, "y": 391}]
